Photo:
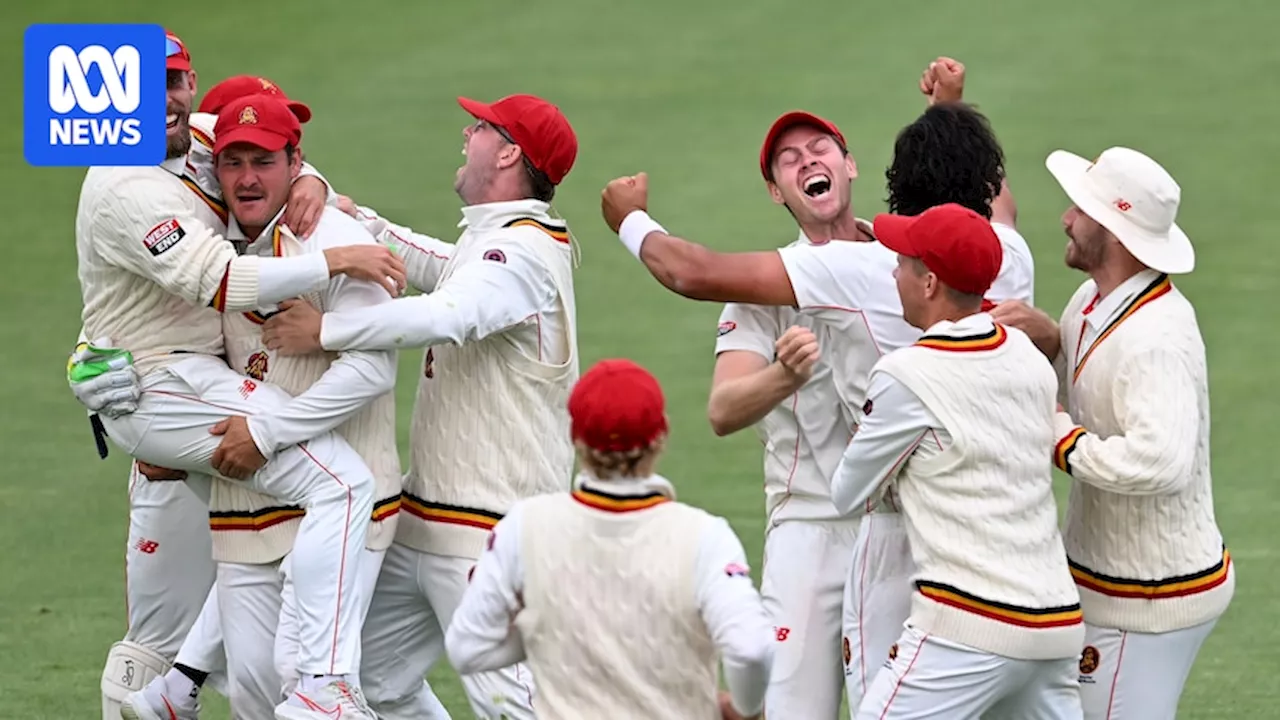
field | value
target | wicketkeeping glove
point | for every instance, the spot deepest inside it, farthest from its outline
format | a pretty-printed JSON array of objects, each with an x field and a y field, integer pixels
[{"x": 103, "y": 379}]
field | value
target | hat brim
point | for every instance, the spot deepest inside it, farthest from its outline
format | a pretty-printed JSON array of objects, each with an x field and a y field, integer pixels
[
  {"x": 1171, "y": 253},
  {"x": 248, "y": 135},
  {"x": 479, "y": 110},
  {"x": 894, "y": 232},
  {"x": 300, "y": 110}
]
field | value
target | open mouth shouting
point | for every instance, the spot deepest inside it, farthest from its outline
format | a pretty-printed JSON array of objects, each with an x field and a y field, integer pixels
[{"x": 816, "y": 186}]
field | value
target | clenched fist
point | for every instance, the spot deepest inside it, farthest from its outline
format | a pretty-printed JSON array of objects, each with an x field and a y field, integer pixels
[
  {"x": 623, "y": 196},
  {"x": 797, "y": 352},
  {"x": 943, "y": 81}
]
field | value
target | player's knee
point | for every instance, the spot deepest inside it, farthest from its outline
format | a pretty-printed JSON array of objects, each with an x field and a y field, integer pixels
[{"x": 129, "y": 668}]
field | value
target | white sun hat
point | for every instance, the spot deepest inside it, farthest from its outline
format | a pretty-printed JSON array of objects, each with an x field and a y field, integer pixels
[{"x": 1129, "y": 194}]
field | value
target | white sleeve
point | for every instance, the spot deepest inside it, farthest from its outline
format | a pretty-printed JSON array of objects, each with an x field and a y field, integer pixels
[
  {"x": 481, "y": 298},
  {"x": 352, "y": 381},
  {"x": 747, "y": 327},
  {"x": 833, "y": 275},
  {"x": 482, "y": 635},
  {"x": 735, "y": 616},
  {"x": 424, "y": 256},
  {"x": 1159, "y": 412},
  {"x": 1016, "y": 280},
  {"x": 890, "y": 431}
]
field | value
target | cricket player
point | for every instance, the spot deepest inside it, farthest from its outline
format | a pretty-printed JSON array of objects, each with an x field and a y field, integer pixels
[
  {"x": 490, "y": 424},
  {"x": 770, "y": 374},
  {"x": 256, "y": 161},
  {"x": 948, "y": 155},
  {"x": 847, "y": 289},
  {"x": 959, "y": 424},
  {"x": 168, "y": 566},
  {"x": 621, "y": 597},
  {"x": 1144, "y": 546},
  {"x": 157, "y": 292}
]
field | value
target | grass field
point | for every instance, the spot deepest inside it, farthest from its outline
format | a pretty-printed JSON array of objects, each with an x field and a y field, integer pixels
[{"x": 685, "y": 91}]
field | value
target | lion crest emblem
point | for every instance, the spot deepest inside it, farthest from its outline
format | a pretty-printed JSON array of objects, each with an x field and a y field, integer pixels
[{"x": 256, "y": 368}]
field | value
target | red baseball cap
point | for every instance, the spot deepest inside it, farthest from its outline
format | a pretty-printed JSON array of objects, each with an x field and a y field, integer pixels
[
  {"x": 785, "y": 123},
  {"x": 537, "y": 126},
  {"x": 617, "y": 406},
  {"x": 264, "y": 121},
  {"x": 176, "y": 56},
  {"x": 240, "y": 86},
  {"x": 955, "y": 243}
]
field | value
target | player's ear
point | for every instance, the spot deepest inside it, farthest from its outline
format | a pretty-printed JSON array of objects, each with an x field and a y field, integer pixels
[
  {"x": 776, "y": 194},
  {"x": 191, "y": 81},
  {"x": 295, "y": 163},
  {"x": 851, "y": 166},
  {"x": 509, "y": 155}
]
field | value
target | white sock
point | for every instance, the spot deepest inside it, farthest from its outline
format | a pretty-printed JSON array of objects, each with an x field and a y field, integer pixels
[{"x": 180, "y": 687}]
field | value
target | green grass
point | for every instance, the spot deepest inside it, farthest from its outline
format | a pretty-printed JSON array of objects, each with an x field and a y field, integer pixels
[{"x": 685, "y": 91}]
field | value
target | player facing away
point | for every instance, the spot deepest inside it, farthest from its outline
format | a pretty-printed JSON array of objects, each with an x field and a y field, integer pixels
[
  {"x": 1145, "y": 548},
  {"x": 619, "y": 597},
  {"x": 154, "y": 280},
  {"x": 959, "y": 424},
  {"x": 168, "y": 566},
  {"x": 490, "y": 424}
]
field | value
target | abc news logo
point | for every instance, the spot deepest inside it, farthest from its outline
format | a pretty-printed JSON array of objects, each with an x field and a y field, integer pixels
[
  {"x": 121, "y": 89},
  {"x": 94, "y": 95}
]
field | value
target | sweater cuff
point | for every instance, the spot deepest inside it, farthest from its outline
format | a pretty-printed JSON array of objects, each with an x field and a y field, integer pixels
[
  {"x": 240, "y": 287},
  {"x": 1069, "y": 435}
]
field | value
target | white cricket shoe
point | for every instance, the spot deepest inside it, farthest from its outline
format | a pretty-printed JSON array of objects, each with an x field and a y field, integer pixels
[
  {"x": 155, "y": 702},
  {"x": 335, "y": 701}
]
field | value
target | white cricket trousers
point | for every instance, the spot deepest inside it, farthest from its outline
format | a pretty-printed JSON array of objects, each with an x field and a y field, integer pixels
[
  {"x": 416, "y": 596},
  {"x": 1137, "y": 676},
  {"x": 168, "y": 561},
  {"x": 877, "y": 599},
  {"x": 928, "y": 677},
  {"x": 806, "y": 564},
  {"x": 257, "y": 600},
  {"x": 170, "y": 428}
]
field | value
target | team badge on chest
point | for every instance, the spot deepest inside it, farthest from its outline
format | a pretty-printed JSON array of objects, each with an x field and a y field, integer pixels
[{"x": 256, "y": 367}]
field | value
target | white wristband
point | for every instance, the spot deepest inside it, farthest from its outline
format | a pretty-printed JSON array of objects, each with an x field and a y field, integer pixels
[{"x": 635, "y": 228}]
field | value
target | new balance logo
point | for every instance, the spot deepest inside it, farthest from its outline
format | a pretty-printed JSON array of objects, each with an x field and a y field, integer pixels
[
  {"x": 147, "y": 546},
  {"x": 94, "y": 95}
]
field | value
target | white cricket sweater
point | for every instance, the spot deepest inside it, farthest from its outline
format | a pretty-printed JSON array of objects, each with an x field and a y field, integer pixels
[
  {"x": 613, "y": 622},
  {"x": 980, "y": 515},
  {"x": 154, "y": 272},
  {"x": 254, "y": 528},
  {"x": 491, "y": 422},
  {"x": 1145, "y": 548}
]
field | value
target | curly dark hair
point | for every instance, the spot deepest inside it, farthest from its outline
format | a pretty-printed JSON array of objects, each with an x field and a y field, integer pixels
[{"x": 948, "y": 155}]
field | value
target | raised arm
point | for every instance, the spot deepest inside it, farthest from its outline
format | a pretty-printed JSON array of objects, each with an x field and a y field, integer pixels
[{"x": 685, "y": 267}]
